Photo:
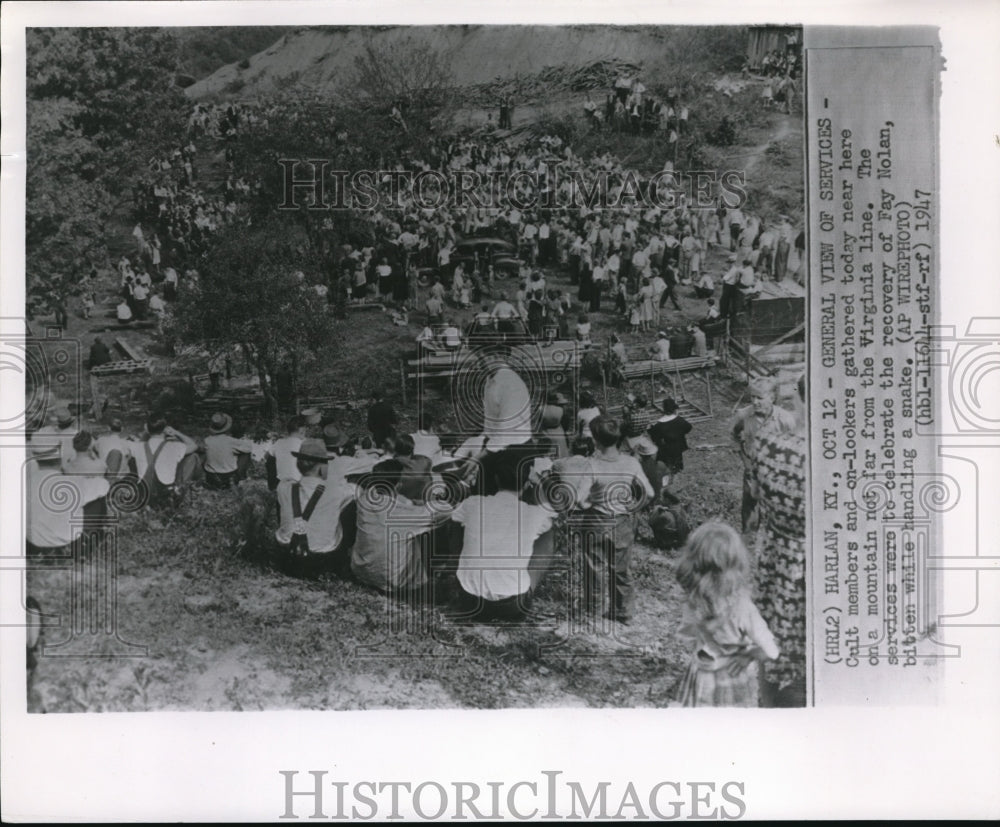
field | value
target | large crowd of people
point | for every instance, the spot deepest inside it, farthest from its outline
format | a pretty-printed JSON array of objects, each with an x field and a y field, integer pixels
[{"x": 426, "y": 516}]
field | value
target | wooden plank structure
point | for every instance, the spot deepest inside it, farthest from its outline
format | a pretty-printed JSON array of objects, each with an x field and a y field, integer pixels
[
  {"x": 135, "y": 361},
  {"x": 698, "y": 367},
  {"x": 545, "y": 356},
  {"x": 559, "y": 360}
]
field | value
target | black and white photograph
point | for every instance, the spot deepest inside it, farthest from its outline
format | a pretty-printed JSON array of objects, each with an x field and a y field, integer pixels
[
  {"x": 419, "y": 367},
  {"x": 430, "y": 412}
]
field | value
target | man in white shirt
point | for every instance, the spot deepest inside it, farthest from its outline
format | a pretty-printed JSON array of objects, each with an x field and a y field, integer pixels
[
  {"x": 59, "y": 433},
  {"x": 124, "y": 312},
  {"x": 502, "y": 536},
  {"x": 705, "y": 287},
  {"x": 313, "y": 506},
  {"x": 221, "y": 452},
  {"x": 661, "y": 348},
  {"x": 164, "y": 449},
  {"x": 51, "y": 527},
  {"x": 730, "y": 289},
  {"x": 451, "y": 335},
  {"x": 114, "y": 449}
]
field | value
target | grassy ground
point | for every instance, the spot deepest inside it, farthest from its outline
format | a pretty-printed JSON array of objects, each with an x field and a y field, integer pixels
[{"x": 223, "y": 631}]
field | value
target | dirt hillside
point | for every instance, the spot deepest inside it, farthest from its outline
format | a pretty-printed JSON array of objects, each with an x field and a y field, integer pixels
[{"x": 323, "y": 58}]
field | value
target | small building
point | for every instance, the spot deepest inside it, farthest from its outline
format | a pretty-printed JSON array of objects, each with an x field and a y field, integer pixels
[{"x": 762, "y": 40}]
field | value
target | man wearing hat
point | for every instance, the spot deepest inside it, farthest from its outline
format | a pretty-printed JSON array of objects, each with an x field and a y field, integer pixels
[
  {"x": 661, "y": 347},
  {"x": 222, "y": 451},
  {"x": 59, "y": 433},
  {"x": 52, "y": 528},
  {"x": 669, "y": 434},
  {"x": 311, "y": 506},
  {"x": 313, "y": 417},
  {"x": 341, "y": 455}
]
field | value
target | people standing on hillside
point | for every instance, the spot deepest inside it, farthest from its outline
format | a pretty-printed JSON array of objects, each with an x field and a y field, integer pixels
[
  {"x": 669, "y": 434},
  {"x": 779, "y": 479},
  {"x": 605, "y": 526}
]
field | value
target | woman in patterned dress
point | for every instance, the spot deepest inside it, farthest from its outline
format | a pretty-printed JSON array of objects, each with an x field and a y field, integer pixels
[{"x": 779, "y": 477}]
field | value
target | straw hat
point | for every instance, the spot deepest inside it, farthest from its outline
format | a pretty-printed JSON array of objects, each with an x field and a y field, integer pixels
[{"x": 221, "y": 423}]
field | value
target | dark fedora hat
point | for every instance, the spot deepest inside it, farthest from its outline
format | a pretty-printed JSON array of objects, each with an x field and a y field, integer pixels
[{"x": 312, "y": 449}]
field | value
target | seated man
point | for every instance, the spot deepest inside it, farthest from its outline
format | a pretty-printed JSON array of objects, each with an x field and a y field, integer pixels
[
  {"x": 222, "y": 451},
  {"x": 52, "y": 528},
  {"x": 661, "y": 349},
  {"x": 395, "y": 536},
  {"x": 116, "y": 451},
  {"x": 503, "y": 535},
  {"x": 124, "y": 313},
  {"x": 99, "y": 354},
  {"x": 416, "y": 476},
  {"x": 280, "y": 463},
  {"x": 159, "y": 459},
  {"x": 681, "y": 343},
  {"x": 705, "y": 286},
  {"x": 426, "y": 342},
  {"x": 312, "y": 513},
  {"x": 451, "y": 336}
]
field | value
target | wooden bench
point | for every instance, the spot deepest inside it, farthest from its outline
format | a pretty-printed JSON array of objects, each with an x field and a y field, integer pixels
[
  {"x": 129, "y": 351},
  {"x": 652, "y": 367},
  {"x": 123, "y": 366}
]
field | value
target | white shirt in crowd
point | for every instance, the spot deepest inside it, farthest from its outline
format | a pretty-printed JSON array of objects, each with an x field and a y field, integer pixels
[
  {"x": 323, "y": 529},
  {"x": 284, "y": 462},
  {"x": 166, "y": 463},
  {"x": 500, "y": 534},
  {"x": 49, "y": 524},
  {"x": 426, "y": 444}
]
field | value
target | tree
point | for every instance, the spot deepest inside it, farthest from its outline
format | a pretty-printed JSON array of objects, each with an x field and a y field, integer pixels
[
  {"x": 255, "y": 291},
  {"x": 410, "y": 75},
  {"x": 100, "y": 102}
]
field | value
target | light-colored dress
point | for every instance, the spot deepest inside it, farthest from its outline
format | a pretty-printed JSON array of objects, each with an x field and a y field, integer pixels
[{"x": 646, "y": 312}]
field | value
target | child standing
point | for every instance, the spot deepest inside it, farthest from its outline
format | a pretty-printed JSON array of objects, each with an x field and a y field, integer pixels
[
  {"x": 635, "y": 316},
  {"x": 730, "y": 635}
]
